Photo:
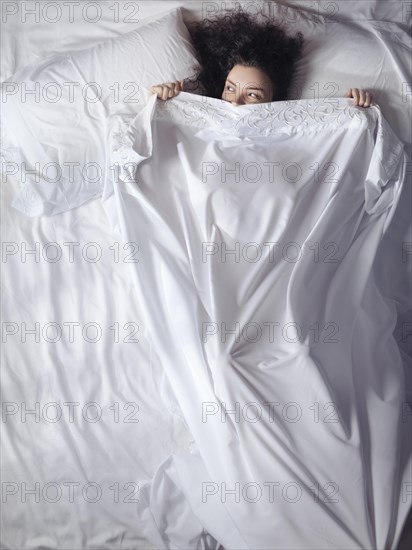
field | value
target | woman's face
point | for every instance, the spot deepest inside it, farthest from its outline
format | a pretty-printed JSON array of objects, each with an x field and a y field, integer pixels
[{"x": 247, "y": 85}]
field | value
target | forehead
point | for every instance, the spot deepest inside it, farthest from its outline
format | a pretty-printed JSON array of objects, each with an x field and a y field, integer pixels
[{"x": 247, "y": 75}]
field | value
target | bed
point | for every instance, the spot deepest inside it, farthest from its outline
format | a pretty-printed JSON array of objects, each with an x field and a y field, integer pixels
[{"x": 153, "y": 395}]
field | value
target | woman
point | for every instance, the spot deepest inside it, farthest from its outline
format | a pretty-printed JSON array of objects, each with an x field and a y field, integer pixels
[{"x": 244, "y": 62}]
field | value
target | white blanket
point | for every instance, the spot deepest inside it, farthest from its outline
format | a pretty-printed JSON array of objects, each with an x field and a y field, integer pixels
[{"x": 258, "y": 227}]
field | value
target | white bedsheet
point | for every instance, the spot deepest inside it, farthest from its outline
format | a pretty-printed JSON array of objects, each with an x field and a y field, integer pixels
[
  {"x": 258, "y": 228},
  {"x": 104, "y": 355}
]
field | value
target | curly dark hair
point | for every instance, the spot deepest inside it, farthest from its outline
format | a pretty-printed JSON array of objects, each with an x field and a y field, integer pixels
[{"x": 237, "y": 38}]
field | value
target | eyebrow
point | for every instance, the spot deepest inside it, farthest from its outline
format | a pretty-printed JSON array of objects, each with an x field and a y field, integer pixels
[{"x": 251, "y": 88}]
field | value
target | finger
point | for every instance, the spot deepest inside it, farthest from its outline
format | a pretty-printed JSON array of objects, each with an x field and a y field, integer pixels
[
  {"x": 368, "y": 100},
  {"x": 156, "y": 89},
  {"x": 175, "y": 89},
  {"x": 355, "y": 95},
  {"x": 167, "y": 88},
  {"x": 349, "y": 93},
  {"x": 362, "y": 98},
  {"x": 165, "y": 92}
]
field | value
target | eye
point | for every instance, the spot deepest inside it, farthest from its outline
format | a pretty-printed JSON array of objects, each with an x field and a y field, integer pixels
[{"x": 229, "y": 88}]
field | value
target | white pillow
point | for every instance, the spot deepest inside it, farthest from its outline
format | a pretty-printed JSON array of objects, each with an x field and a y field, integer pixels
[{"x": 56, "y": 137}]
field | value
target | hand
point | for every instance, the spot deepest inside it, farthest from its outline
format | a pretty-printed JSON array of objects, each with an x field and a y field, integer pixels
[
  {"x": 167, "y": 90},
  {"x": 361, "y": 98}
]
